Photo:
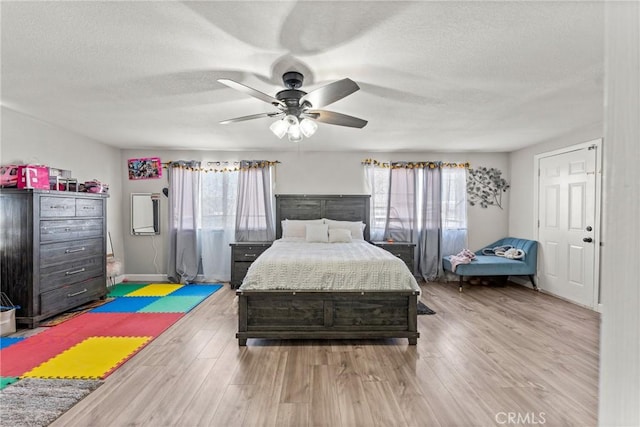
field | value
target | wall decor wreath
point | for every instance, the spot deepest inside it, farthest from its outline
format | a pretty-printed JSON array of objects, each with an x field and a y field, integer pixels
[{"x": 485, "y": 187}]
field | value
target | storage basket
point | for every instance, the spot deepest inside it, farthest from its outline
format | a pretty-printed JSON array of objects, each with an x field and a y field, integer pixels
[{"x": 7, "y": 315}]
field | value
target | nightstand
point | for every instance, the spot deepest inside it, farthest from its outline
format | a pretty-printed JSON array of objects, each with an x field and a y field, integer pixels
[
  {"x": 403, "y": 250},
  {"x": 242, "y": 255}
]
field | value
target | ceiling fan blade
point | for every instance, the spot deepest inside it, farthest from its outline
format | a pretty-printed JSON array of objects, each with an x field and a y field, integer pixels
[
  {"x": 251, "y": 92},
  {"x": 251, "y": 117},
  {"x": 334, "y": 118},
  {"x": 330, "y": 93}
]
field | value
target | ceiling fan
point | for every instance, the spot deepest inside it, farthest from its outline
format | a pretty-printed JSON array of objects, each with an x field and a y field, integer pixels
[{"x": 298, "y": 110}]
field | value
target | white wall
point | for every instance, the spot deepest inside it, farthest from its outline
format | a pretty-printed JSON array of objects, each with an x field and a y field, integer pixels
[
  {"x": 29, "y": 140},
  {"x": 304, "y": 172},
  {"x": 620, "y": 331}
]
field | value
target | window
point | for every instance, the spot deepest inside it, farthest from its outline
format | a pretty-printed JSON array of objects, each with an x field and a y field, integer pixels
[
  {"x": 454, "y": 198},
  {"x": 218, "y": 196}
]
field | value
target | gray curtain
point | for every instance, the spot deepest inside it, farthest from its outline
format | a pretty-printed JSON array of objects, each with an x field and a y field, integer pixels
[
  {"x": 401, "y": 211},
  {"x": 429, "y": 242},
  {"x": 254, "y": 212},
  {"x": 184, "y": 211}
]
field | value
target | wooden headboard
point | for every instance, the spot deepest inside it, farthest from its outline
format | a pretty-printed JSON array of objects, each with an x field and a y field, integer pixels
[{"x": 337, "y": 207}]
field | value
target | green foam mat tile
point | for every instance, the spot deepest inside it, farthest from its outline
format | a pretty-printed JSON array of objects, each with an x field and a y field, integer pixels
[
  {"x": 122, "y": 289},
  {"x": 5, "y": 381},
  {"x": 171, "y": 304}
]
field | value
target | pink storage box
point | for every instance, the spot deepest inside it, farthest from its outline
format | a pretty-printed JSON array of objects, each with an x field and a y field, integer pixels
[{"x": 33, "y": 176}]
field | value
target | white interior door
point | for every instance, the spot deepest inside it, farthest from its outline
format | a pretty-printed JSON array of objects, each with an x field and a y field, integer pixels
[{"x": 567, "y": 228}]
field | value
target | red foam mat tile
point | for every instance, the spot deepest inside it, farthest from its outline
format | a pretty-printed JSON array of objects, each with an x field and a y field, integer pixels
[
  {"x": 27, "y": 354},
  {"x": 116, "y": 324},
  {"x": 21, "y": 357}
]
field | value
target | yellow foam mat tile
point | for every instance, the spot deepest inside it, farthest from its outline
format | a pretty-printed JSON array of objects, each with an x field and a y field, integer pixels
[
  {"x": 154, "y": 290},
  {"x": 89, "y": 359}
]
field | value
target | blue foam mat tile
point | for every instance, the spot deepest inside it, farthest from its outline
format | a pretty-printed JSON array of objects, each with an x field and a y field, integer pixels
[
  {"x": 125, "y": 305},
  {"x": 195, "y": 290},
  {"x": 7, "y": 341}
]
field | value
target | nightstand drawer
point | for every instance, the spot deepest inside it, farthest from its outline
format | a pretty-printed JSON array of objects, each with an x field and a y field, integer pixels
[{"x": 247, "y": 253}]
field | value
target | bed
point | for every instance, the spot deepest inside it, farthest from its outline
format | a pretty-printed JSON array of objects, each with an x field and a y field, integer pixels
[{"x": 281, "y": 301}]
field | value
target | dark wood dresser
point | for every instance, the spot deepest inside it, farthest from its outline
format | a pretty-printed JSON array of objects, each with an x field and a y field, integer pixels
[
  {"x": 242, "y": 255},
  {"x": 403, "y": 250},
  {"x": 52, "y": 250}
]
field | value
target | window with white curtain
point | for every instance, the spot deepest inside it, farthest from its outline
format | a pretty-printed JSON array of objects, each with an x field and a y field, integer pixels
[
  {"x": 218, "y": 196},
  {"x": 208, "y": 208},
  {"x": 425, "y": 205},
  {"x": 454, "y": 198}
]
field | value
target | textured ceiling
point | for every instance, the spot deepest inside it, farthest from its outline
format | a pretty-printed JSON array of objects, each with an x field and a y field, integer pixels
[{"x": 436, "y": 76}]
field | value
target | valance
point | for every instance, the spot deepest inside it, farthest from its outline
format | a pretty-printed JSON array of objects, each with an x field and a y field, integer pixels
[
  {"x": 415, "y": 165},
  {"x": 221, "y": 166}
]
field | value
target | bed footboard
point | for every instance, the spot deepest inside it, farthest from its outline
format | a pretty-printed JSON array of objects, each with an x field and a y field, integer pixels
[{"x": 277, "y": 314}]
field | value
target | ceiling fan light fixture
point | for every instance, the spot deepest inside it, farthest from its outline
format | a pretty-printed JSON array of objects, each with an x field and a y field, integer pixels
[
  {"x": 308, "y": 127},
  {"x": 295, "y": 134},
  {"x": 279, "y": 128},
  {"x": 291, "y": 120}
]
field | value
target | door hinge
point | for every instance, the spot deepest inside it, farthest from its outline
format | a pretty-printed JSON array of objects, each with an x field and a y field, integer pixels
[
  {"x": 592, "y": 147},
  {"x": 538, "y": 223}
]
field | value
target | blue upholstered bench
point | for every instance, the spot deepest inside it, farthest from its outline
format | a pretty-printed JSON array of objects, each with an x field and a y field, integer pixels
[{"x": 492, "y": 265}]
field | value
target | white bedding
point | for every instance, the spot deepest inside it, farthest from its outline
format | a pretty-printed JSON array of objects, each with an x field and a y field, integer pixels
[{"x": 294, "y": 264}]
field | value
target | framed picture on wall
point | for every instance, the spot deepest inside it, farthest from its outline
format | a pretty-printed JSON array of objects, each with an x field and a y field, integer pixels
[{"x": 145, "y": 168}]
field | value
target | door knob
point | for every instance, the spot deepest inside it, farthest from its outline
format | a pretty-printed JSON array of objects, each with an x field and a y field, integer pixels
[
  {"x": 589, "y": 228},
  {"x": 587, "y": 239}
]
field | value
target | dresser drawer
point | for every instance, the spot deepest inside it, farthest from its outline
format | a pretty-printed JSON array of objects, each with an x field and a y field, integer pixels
[
  {"x": 70, "y": 272},
  {"x": 54, "y": 207},
  {"x": 247, "y": 253},
  {"x": 68, "y": 296},
  {"x": 56, "y": 253},
  {"x": 59, "y": 230},
  {"x": 88, "y": 207}
]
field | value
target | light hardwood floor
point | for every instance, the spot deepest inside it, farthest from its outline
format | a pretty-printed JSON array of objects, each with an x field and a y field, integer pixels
[{"x": 490, "y": 356}]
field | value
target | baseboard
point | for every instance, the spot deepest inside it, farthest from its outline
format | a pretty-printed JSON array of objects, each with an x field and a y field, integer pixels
[
  {"x": 161, "y": 278},
  {"x": 521, "y": 281},
  {"x": 118, "y": 279},
  {"x": 145, "y": 278}
]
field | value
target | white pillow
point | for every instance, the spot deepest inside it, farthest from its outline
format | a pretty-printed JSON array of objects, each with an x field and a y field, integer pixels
[
  {"x": 339, "y": 235},
  {"x": 355, "y": 227},
  {"x": 297, "y": 227},
  {"x": 317, "y": 233}
]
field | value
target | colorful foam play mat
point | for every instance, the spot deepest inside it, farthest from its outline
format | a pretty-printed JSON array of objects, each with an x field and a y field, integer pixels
[{"x": 95, "y": 343}]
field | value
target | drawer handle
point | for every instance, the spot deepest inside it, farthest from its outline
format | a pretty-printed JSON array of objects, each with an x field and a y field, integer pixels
[
  {"x": 57, "y": 207},
  {"x": 77, "y": 293},
  {"x": 88, "y": 207},
  {"x": 67, "y": 229},
  {"x": 69, "y": 273},
  {"x": 250, "y": 255},
  {"x": 70, "y": 251}
]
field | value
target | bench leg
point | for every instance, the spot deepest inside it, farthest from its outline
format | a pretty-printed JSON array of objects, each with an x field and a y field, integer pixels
[
  {"x": 460, "y": 285},
  {"x": 535, "y": 287}
]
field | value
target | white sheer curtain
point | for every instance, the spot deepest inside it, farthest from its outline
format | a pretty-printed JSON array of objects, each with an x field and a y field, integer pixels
[
  {"x": 254, "y": 215},
  {"x": 401, "y": 215},
  {"x": 377, "y": 183},
  {"x": 184, "y": 221},
  {"x": 454, "y": 210},
  {"x": 219, "y": 201}
]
